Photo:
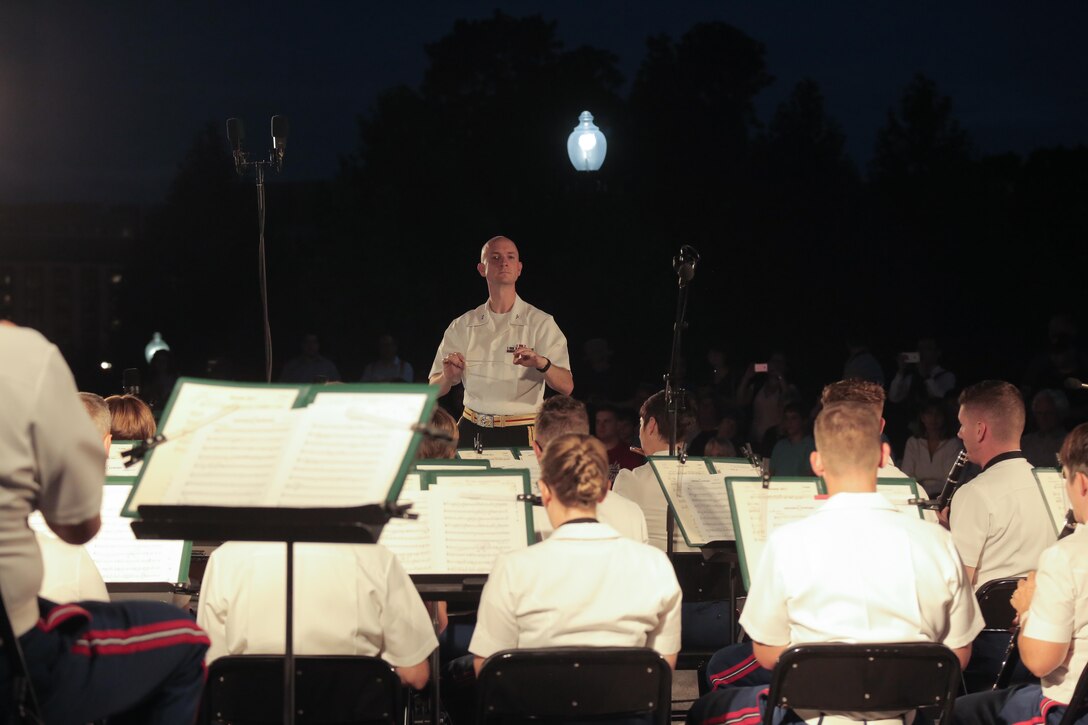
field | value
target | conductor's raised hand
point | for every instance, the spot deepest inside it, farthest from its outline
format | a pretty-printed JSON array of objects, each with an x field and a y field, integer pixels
[
  {"x": 526, "y": 357},
  {"x": 453, "y": 367}
]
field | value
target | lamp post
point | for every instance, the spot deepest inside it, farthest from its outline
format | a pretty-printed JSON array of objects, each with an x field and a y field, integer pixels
[{"x": 586, "y": 145}]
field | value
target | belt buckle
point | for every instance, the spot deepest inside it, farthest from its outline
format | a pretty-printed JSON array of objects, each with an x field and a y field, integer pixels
[{"x": 485, "y": 421}]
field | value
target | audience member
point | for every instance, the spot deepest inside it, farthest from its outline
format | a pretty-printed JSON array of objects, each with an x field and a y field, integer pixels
[
  {"x": 917, "y": 381},
  {"x": 388, "y": 368},
  {"x": 766, "y": 393},
  {"x": 620, "y": 455},
  {"x": 791, "y": 453},
  {"x": 860, "y": 363},
  {"x": 1048, "y": 410},
  {"x": 929, "y": 455},
  {"x": 310, "y": 366}
]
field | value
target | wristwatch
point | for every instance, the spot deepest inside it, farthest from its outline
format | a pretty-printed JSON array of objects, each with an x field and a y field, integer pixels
[{"x": 546, "y": 368}]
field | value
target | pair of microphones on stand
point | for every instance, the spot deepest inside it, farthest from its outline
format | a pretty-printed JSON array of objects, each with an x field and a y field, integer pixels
[{"x": 236, "y": 135}]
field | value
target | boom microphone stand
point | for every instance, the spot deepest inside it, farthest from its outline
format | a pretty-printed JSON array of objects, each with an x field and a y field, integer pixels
[{"x": 236, "y": 134}]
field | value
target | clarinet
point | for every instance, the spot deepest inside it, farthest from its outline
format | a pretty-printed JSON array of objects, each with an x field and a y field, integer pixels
[
  {"x": 1069, "y": 528},
  {"x": 951, "y": 484}
]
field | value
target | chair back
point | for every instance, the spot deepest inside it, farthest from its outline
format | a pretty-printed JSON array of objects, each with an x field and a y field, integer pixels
[
  {"x": 865, "y": 678},
  {"x": 248, "y": 690},
  {"x": 993, "y": 600},
  {"x": 19, "y": 698},
  {"x": 571, "y": 683}
]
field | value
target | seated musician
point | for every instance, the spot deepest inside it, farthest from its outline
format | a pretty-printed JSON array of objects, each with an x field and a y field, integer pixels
[
  {"x": 585, "y": 585},
  {"x": 1052, "y": 605},
  {"x": 998, "y": 520},
  {"x": 560, "y": 415},
  {"x": 349, "y": 599},
  {"x": 856, "y": 570},
  {"x": 736, "y": 665}
]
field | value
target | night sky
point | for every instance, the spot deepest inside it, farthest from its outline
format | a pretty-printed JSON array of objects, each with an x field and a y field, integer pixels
[{"x": 98, "y": 102}]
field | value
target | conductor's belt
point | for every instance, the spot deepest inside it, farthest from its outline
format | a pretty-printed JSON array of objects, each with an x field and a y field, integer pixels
[{"x": 486, "y": 420}]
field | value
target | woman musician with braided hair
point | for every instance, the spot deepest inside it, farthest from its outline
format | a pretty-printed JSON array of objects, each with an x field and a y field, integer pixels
[
  {"x": 585, "y": 586},
  {"x": 1052, "y": 605}
]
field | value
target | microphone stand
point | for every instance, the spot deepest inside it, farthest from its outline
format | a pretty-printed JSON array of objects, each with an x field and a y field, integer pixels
[
  {"x": 684, "y": 265},
  {"x": 241, "y": 164}
]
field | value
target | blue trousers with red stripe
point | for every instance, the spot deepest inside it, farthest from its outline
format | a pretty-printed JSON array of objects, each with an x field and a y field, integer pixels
[
  {"x": 1020, "y": 705},
  {"x": 736, "y": 706},
  {"x": 134, "y": 662},
  {"x": 736, "y": 666}
]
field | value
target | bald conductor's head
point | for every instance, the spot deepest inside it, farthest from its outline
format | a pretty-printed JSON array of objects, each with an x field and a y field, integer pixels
[
  {"x": 848, "y": 446},
  {"x": 496, "y": 241}
]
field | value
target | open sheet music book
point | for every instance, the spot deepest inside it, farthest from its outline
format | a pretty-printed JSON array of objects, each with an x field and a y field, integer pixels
[
  {"x": 697, "y": 496},
  {"x": 466, "y": 519},
  {"x": 488, "y": 454},
  {"x": 115, "y": 461},
  {"x": 901, "y": 490},
  {"x": 1052, "y": 488},
  {"x": 121, "y": 558},
  {"x": 757, "y": 512},
  {"x": 446, "y": 464},
  {"x": 290, "y": 446}
]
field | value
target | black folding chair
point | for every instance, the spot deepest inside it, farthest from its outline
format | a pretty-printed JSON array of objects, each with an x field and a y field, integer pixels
[
  {"x": 330, "y": 690},
  {"x": 830, "y": 678},
  {"x": 565, "y": 684},
  {"x": 20, "y": 696},
  {"x": 993, "y": 600}
]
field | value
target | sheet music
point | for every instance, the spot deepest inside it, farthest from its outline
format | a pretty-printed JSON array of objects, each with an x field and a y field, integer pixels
[
  {"x": 899, "y": 493},
  {"x": 527, "y": 462},
  {"x": 118, "y": 554},
  {"x": 1052, "y": 487},
  {"x": 759, "y": 511},
  {"x": 699, "y": 499},
  {"x": 411, "y": 540},
  {"x": 115, "y": 461},
  {"x": 461, "y": 529},
  {"x": 493, "y": 454},
  {"x": 439, "y": 466},
  {"x": 195, "y": 406},
  {"x": 476, "y": 526},
  {"x": 345, "y": 449}
]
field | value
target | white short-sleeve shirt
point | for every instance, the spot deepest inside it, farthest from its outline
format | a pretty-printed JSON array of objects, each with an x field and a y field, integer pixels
[
  {"x": 350, "y": 599},
  {"x": 51, "y": 459},
  {"x": 622, "y": 514},
  {"x": 1059, "y": 610},
  {"x": 70, "y": 574},
  {"x": 585, "y": 586},
  {"x": 1000, "y": 523},
  {"x": 641, "y": 486},
  {"x": 857, "y": 570},
  {"x": 493, "y": 383}
]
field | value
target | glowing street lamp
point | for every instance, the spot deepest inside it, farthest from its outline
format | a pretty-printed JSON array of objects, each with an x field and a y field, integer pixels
[{"x": 586, "y": 145}]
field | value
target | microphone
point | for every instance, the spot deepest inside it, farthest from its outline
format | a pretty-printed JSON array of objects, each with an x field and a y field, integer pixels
[
  {"x": 236, "y": 133},
  {"x": 684, "y": 263},
  {"x": 279, "y": 139},
  {"x": 1074, "y": 384}
]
